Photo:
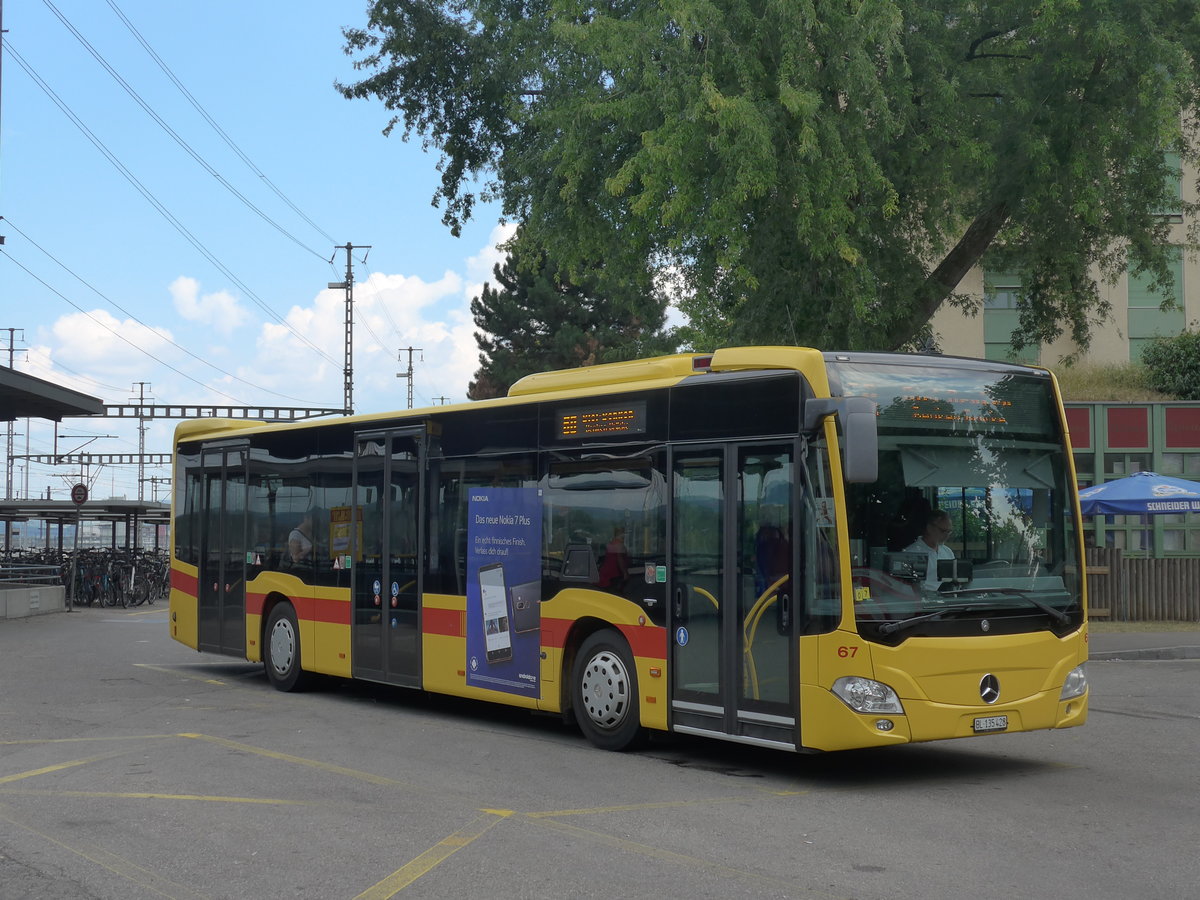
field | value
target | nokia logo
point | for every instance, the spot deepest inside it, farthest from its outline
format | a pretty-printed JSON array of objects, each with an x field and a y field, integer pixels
[{"x": 989, "y": 688}]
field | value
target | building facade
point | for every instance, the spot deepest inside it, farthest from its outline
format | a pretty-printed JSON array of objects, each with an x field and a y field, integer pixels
[
  {"x": 1137, "y": 315},
  {"x": 1111, "y": 440}
]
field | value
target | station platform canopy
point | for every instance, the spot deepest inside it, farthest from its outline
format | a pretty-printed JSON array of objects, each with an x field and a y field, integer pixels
[
  {"x": 26, "y": 397},
  {"x": 66, "y": 511}
]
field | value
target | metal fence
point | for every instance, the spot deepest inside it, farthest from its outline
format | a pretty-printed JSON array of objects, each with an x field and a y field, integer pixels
[
  {"x": 1136, "y": 589},
  {"x": 15, "y": 575}
]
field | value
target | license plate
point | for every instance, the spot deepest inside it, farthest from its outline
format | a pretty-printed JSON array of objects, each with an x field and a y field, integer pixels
[{"x": 991, "y": 723}]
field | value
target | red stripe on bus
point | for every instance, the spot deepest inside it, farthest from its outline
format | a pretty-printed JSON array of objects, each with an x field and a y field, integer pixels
[
  {"x": 334, "y": 612},
  {"x": 182, "y": 581},
  {"x": 308, "y": 609},
  {"x": 646, "y": 641},
  {"x": 445, "y": 622}
]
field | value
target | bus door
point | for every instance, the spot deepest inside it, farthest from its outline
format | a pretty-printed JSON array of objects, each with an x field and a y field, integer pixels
[
  {"x": 222, "y": 576},
  {"x": 733, "y": 557},
  {"x": 386, "y": 628}
]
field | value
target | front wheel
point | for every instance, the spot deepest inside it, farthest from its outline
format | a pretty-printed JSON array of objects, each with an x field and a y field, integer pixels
[
  {"x": 604, "y": 692},
  {"x": 282, "y": 650}
]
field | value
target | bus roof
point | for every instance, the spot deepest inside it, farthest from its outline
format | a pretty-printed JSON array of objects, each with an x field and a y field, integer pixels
[{"x": 639, "y": 374}]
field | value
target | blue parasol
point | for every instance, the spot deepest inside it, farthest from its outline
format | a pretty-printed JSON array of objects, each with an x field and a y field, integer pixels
[{"x": 1141, "y": 494}]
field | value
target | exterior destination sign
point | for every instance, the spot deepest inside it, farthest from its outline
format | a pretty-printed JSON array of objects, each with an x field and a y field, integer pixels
[{"x": 594, "y": 421}]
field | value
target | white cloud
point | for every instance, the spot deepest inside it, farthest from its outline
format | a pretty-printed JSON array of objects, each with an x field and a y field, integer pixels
[
  {"x": 103, "y": 356},
  {"x": 392, "y": 312},
  {"x": 219, "y": 310},
  {"x": 479, "y": 267},
  {"x": 105, "y": 348}
]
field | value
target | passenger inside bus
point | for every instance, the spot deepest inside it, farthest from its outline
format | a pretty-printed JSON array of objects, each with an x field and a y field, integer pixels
[
  {"x": 614, "y": 568},
  {"x": 300, "y": 541}
]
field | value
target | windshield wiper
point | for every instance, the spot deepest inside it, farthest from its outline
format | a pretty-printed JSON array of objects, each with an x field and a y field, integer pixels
[
  {"x": 902, "y": 624},
  {"x": 1027, "y": 596}
]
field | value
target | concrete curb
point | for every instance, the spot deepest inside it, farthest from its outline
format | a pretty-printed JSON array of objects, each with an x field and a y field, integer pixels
[{"x": 1148, "y": 653}]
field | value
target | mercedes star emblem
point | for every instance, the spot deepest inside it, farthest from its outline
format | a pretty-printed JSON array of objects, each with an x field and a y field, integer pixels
[{"x": 989, "y": 688}]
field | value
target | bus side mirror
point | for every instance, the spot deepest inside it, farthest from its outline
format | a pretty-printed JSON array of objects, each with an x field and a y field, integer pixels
[{"x": 859, "y": 438}]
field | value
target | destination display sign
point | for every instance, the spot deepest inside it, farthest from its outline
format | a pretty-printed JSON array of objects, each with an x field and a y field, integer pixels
[
  {"x": 917, "y": 399},
  {"x": 958, "y": 409},
  {"x": 602, "y": 421}
]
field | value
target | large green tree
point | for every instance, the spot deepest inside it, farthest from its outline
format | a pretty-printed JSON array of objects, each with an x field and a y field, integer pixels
[
  {"x": 820, "y": 173},
  {"x": 535, "y": 319}
]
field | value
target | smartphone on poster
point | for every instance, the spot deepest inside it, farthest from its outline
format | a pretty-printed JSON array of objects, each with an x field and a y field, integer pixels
[
  {"x": 493, "y": 597},
  {"x": 526, "y": 607}
]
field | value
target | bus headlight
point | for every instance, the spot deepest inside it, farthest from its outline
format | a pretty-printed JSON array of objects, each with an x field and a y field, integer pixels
[
  {"x": 1075, "y": 684},
  {"x": 866, "y": 696}
]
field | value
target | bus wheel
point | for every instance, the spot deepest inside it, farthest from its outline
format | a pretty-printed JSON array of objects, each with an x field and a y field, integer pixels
[
  {"x": 282, "y": 649},
  {"x": 604, "y": 693}
]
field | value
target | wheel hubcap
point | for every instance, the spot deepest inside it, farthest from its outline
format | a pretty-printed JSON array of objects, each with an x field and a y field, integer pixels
[
  {"x": 605, "y": 689},
  {"x": 283, "y": 647}
]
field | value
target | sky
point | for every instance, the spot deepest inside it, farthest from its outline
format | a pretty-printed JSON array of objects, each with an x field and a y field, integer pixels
[{"x": 145, "y": 245}]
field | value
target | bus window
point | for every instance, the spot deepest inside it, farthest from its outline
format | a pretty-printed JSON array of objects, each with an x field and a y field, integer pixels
[
  {"x": 821, "y": 610},
  {"x": 604, "y": 527}
]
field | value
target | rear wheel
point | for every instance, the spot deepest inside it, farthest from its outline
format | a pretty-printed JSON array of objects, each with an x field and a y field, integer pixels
[
  {"x": 282, "y": 650},
  {"x": 604, "y": 692}
]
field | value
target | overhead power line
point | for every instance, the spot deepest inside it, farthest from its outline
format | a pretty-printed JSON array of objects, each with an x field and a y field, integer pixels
[
  {"x": 212, "y": 122},
  {"x": 187, "y": 148},
  {"x": 115, "y": 333},
  {"x": 126, "y": 312},
  {"x": 150, "y": 198}
]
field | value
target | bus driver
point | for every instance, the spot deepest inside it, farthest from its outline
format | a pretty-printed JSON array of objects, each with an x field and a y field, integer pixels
[{"x": 932, "y": 543}]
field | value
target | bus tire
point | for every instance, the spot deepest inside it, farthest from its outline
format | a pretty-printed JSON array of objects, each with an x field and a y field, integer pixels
[
  {"x": 281, "y": 650},
  {"x": 604, "y": 692}
]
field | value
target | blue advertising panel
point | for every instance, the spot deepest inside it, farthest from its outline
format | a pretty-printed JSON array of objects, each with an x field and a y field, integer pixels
[{"x": 504, "y": 588}]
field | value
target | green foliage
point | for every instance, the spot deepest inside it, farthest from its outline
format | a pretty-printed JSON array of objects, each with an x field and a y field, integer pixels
[
  {"x": 535, "y": 320},
  {"x": 815, "y": 173},
  {"x": 1173, "y": 365}
]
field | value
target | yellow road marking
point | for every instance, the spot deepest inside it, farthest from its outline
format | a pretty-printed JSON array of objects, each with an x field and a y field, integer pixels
[
  {"x": 144, "y": 878},
  {"x": 442, "y": 850},
  {"x": 180, "y": 674},
  {"x": 32, "y": 773},
  {"x": 85, "y": 740},
  {"x": 298, "y": 760},
  {"x": 149, "y": 796}
]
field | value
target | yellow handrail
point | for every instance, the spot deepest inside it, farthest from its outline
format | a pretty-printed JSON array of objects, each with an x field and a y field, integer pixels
[
  {"x": 750, "y": 629},
  {"x": 711, "y": 599}
]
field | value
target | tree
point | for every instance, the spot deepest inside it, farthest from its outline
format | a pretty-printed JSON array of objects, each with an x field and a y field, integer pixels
[
  {"x": 821, "y": 174},
  {"x": 535, "y": 320},
  {"x": 1173, "y": 365}
]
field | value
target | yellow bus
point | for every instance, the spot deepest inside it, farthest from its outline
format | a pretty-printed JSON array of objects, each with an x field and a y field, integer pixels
[{"x": 770, "y": 545}]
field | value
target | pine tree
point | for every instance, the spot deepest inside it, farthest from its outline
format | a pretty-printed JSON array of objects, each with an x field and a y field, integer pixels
[{"x": 537, "y": 319}]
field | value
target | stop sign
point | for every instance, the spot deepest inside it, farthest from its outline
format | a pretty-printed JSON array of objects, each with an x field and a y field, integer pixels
[{"x": 79, "y": 494}]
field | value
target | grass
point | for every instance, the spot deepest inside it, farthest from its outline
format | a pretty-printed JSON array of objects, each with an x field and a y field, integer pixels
[{"x": 1120, "y": 382}]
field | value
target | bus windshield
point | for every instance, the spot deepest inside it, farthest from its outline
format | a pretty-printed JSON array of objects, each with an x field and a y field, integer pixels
[{"x": 970, "y": 526}]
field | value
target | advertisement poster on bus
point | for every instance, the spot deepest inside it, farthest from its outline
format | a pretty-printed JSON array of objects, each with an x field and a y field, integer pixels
[{"x": 504, "y": 586}]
